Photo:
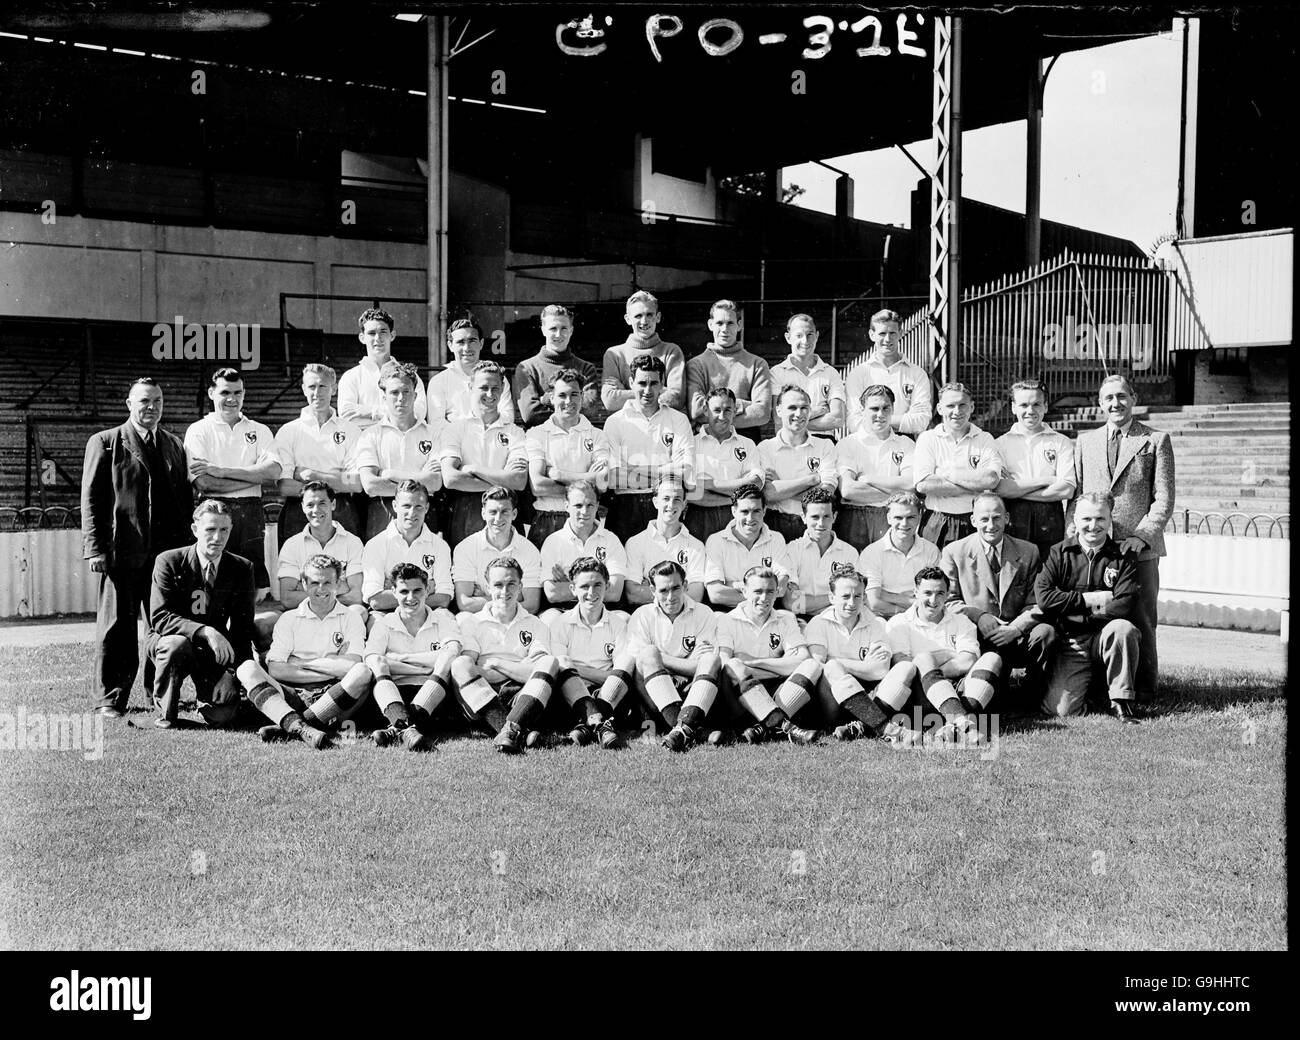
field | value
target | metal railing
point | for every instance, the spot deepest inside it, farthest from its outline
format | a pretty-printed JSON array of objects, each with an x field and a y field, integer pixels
[{"x": 1233, "y": 524}]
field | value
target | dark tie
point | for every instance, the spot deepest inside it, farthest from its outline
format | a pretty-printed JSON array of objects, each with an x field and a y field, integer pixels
[
  {"x": 995, "y": 564},
  {"x": 209, "y": 576},
  {"x": 1112, "y": 451}
]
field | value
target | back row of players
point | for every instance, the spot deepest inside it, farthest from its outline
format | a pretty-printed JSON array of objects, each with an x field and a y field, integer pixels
[{"x": 363, "y": 569}]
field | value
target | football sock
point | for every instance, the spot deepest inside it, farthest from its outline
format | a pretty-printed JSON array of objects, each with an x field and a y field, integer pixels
[
  {"x": 661, "y": 690},
  {"x": 431, "y": 693},
  {"x": 670, "y": 713},
  {"x": 755, "y": 699},
  {"x": 616, "y": 685},
  {"x": 775, "y": 720},
  {"x": 797, "y": 690},
  {"x": 495, "y": 715},
  {"x": 386, "y": 694},
  {"x": 270, "y": 702},
  {"x": 867, "y": 711},
  {"x": 396, "y": 714},
  {"x": 691, "y": 717},
  {"x": 330, "y": 706}
]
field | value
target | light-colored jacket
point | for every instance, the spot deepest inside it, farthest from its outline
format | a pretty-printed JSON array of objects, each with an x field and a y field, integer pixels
[{"x": 1143, "y": 484}]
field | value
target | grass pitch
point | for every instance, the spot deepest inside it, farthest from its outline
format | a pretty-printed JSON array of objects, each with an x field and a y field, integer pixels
[{"x": 1080, "y": 834}]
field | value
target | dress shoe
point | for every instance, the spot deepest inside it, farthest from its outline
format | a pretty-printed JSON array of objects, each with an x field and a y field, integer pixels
[{"x": 1123, "y": 710}]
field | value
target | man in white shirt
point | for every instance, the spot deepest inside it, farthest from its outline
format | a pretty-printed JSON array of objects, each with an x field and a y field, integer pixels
[
  {"x": 319, "y": 445},
  {"x": 890, "y": 563},
  {"x": 323, "y": 534},
  {"x": 665, "y": 538},
  {"x": 314, "y": 677},
  {"x": 744, "y": 543},
  {"x": 230, "y": 458},
  {"x": 481, "y": 451},
  {"x": 398, "y": 448},
  {"x": 505, "y": 674},
  {"x": 767, "y": 674},
  {"x": 450, "y": 396},
  {"x": 1038, "y": 470},
  {"x": 910, "y": 383},
  {"x": 936, "y": 652},
  {"x": 581, "y": 536},
  {"x": 724, "y": 463},
  {"x": 820, "y": 381},
  {"x": 361, "y": 398},
  {"x": 596, "y": 667},
  {"x": 872, "y": 464},
  {"x": 406, "y": 539},
  {"x": 410, "y": 652},
  {"x": 953, "y": 463},
  {"x": 816, "y": 554},
  {"x": 647, "y": 441},
  {"x": 674, "y": 640},
  {"x": 499, "y": 537},
  {"x": 563, "y": 450},
  {"x": 794, "y": 462}
]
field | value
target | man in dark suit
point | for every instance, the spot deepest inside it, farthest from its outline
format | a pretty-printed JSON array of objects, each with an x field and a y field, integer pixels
[
  {"x": 135, "y": 496},
  {"x": 1134, "y": 464},
  {"x": 992, "y": 576},
  {"x": 201, "y": 619}
]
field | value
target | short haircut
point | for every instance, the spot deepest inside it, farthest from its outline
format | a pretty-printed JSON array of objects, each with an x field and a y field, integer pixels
[
  {"x": 569, "y": 375},
  {"x": 886, "y": 315},
  {"x": 878, "y": 390},
  {"x": 766, "y": 573},
  {"x": 746, "y": 491},
  {"x": 497, "y": 493},
  {"x": 324, "y": 562},
  {"x": 989, "y": 496},
  {"x": 230, "y": 375},
  {"x": 408, "y": 572},
  {"x": 647, "y": 363},
  {"x": 904, "y": 498},
  {"x": 376, "y": 314},
  {"x": 671, "y": 481},
  {"x": 931, "y": 574},
  {"x": 721, "y": 391},
  {"x": 960, "y": 388},
  {"x": 817, "y": 495},
  {"x": 556, "y": 310},
  {"x": 790, "y": 388},
  {"x": 399, "y": 370},
  {"x": 320, "y": 485},
  {"x": 1027, "y": 384},
  {"x": 492, "y": 368},
  {"x": 317, "y": 369},
  {"x": 583, "y": 564},
  {"x": 1097, "y": 498},
  {"x": 412, "y": 487},
  {"x": 641, "y": 296},
  {"x": 724, "y": 305},
  {"x": 507, "y": 563},
  {"x": 1117, "y": 378},
  {"x": 467, "y": 322},
  {"x": 666, "y": 569},
  {"x": 800, "y": 317},
  {"x": 839, "y": 571},
  {"x": 587, "y": 488},
  {"x": 210, "y": 505},
  {"x": 142, "y": 381}
]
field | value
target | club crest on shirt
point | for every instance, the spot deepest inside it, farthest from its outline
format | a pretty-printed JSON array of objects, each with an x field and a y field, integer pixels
[
  {"x": 251, "y": 436},
  {"x": 588, "y": 445},
  {"x": 766, "y": 561},
  {"x": 896, "y": 457},
  {"x": 504, "y": 438},
  {"x": 774, "y": 640},
  {"x": 525, "y": 637},
  {"x": 682, "y": 557},
  {"x": 826, "y": 390},
  {"x": 609, "y": 649},
  {"x": 339, "y": 436},
  {"x": 952, "y": 640},
  {"x": 601, "y": 553},
  {"x": 688, "y": 644},
  {"x": 908, "y": 388},
  {"x": 425, "y": 447},
  {"x": 740, "y": 453},
  {"x": 862, "y": 652},
  {"x": 435, "y": 645},
  {"x": 814, "y": 463},
  {"x": 428, "y": 563},
  {"x": 974, "y": 460},
  {"x": 1050, "y": 455},
  {"x": 1109, "y": 576},
  {"x": 668, "y": 438},
  {"x": 337, "y": 639}
]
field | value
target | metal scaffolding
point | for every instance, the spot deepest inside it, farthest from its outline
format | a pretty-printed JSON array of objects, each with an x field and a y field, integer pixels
[{"x": 945, "y": 196}]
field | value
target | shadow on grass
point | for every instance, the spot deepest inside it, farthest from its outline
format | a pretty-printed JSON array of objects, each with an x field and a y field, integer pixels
[{"x": 1187, "y": 690}]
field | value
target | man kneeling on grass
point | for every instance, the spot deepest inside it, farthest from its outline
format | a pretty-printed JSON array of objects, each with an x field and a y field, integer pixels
[
  {"x": 505, "y": 676},
  {"x": 764, "y": 653},
  {"x": 674, "y": 640},
  {"x": 590, "y": 642},
  {"x": 937, "y": 652},
  {"x": 410, "y": 653},
  {"x": 316, "y": 679},
  {"x": 853, "y": 647}
]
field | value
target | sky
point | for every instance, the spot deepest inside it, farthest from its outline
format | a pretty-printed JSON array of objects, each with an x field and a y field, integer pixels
[{"x": 1110, "y": 149}]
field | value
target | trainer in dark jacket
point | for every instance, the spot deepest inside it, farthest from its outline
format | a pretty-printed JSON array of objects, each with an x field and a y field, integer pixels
[
  {"x": 201, "y": 625},
  {"x": 135, "y": 503},
  {"x": 1089, "y": 590}
]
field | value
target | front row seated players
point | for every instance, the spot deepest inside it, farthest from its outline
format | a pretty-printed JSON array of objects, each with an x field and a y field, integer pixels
[{"x": 314, "y": 677}]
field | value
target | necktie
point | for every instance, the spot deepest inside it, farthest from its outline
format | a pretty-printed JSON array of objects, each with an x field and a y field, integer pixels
[
  {"x": 209, "y": 575},
  {"x": 994, "y": 563},
  {"x": 1112, "y": 451}
]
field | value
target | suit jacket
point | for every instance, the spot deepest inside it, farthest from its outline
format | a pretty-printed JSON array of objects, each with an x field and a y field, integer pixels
[
  {"x": 118, "y": 500},
  {"x": 1067, "y": 575},
  {"x": 179, "y": 605},
  {"x": 1009, "y": 595},
  {"x": 1143, "y": 484}
]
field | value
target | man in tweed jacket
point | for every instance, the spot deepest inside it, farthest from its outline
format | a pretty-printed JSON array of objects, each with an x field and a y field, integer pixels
[{"x": 1135, "y": 464}]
